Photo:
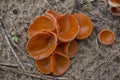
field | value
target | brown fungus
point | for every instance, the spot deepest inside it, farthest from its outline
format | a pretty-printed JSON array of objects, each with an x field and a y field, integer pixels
[
  {"x": 106, "y": 36},
  {"x": 85, "y": 25},
  {"x": 68, "y": 28},
  {"x": 42, "y": 44}
]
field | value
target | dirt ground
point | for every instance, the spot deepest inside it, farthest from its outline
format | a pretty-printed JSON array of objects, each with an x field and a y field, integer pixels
[{"x": 93, "y": 61}]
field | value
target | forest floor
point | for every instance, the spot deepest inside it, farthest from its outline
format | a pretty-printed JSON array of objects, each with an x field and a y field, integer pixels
[{"x": 93, "y": 61}]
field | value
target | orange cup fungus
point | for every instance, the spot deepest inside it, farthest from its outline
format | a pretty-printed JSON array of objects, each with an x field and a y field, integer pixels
[
  {"x": 41, "y": 23},
  {"x": 85, "y": 25},
  {"x": 51, "y": 40},
  {"x": 115, "y": 7},
  {"x": 69, "y": 48},
  {"x": 62, "y": 48},
  {"x": 68, "y": 28},
  {"x": 57, "y": 63},
  {"x": 44, "y": 65},
  {"x": 54, "y": 13},
  {"x": 115, "y": 11},
  {"x": 106, "y": 37},
  {"x": 72, "y": 48},
  {"x": 60, "y": 63},
  {"x": 114, "y": 3},
  {"x": 42, "y": 44}
]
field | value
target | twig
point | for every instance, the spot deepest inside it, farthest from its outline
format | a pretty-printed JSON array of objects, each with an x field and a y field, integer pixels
[
  {"x": 48, "y": 4},
  {"x": 33, "y": 2},
  {"x": 94, "y": 19},
  {"x": 61, "y": 78},
  {"x": 25, "y": 73},
  {"x": 97, "y": 45},
  {"x": 9, "y": 44},
  {"x": 21, "y": 6},
  {"x": 9, "y": 64},
  {"x": 14, "y": 44}
]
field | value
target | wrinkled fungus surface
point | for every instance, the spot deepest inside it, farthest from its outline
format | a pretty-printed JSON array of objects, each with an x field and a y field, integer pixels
[{"x": 52, "y": 40}]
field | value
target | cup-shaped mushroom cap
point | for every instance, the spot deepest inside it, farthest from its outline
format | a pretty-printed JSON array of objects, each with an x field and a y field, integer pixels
[
  {"x": 72, "y": 48},
  {"x": 51, "y": 16},
  {"x": 68, "y": 28},
  {"x": 114, "y": 3},
  {"x": 54, "y": 20},
  {"x": 60, "y": 63},
  {"x": 106, "y": 37},
  {"x": 44, "y": 65},
  {"x": 115, "y": 11},
  {"x": 41, "y": 23},
  {"x": 85, "y": 24},
  {"x": 42, "y": 44},
  {"x": 54, "y": 13},
  {"x": 62, "y": 48}
]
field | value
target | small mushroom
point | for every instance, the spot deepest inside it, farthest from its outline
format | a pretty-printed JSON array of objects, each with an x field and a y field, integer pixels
[
  {"x": 41, "y": 23},
  {"x": 85, "y": 24},
  {"x": 68, "y": 28},
  {"x": 106, "y": 36},
  {"x": 60, "y": 63},
  {"x": 72, "y": 48},
  {"x": 115, "y": 11},
  {"x": 44, "y": 65},
  {"x": 42, "y": 44},
  {"x": 114, "y": 3}
]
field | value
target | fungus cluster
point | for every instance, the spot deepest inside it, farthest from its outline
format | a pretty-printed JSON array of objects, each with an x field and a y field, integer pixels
[
  {"x": 52, "y": 40},
  {"x": 115, "y": 7}
]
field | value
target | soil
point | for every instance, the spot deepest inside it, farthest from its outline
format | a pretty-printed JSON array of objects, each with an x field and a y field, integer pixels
[{"x": 93, "y": 61}]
